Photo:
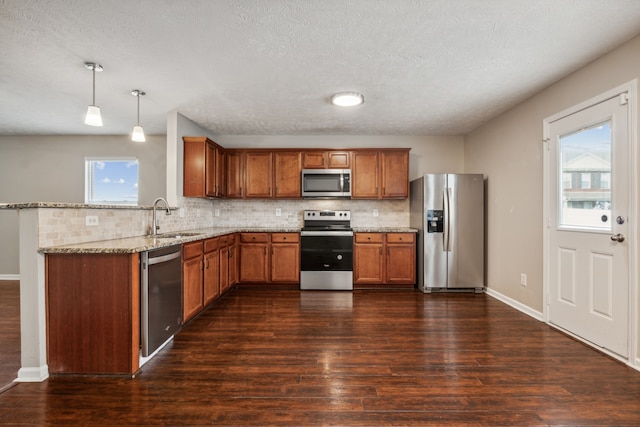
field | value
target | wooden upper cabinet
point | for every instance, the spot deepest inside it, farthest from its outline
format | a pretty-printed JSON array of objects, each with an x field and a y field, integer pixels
[
  {"x": 365, "y": 175},
  {"x": 235, "y": 174},
  {"x": 395, "y": 174},
  {"x": 338, "y": 160},
  {"x": 314, "y": 160},
  {"x": 203, "y": 168},
  {"x": 322, "y": 159},
  {"x": 286, "y": 174},
  {"x": 258, "y": 174}
]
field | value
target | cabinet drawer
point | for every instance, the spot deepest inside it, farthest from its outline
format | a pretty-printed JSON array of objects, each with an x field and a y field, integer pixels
[
  {"x": 231, "y": 239},
  {"x": 254, "y": 237},
  {"x": 224, "y": 241},
  {"x": 285, "y": 238},
  {"x": 401, "y": 237},
  {"x": 211, "y": 245},
  {"x": 192, "y": 249},
  {"x": 368, "y": 237}
]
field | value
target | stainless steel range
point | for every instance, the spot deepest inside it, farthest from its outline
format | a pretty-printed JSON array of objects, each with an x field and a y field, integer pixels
[{"x": 326, "y": 245}]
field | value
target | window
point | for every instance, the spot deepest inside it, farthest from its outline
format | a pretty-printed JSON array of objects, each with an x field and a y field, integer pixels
[
  {"x": 111, "y": 181},
  {"x": 566, "y": 180},
  {"x": 585, "y": 180},
  {"x": 605, "y": 180}
]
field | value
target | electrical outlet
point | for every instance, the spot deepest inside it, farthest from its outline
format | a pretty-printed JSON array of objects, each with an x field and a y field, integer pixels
[
  {"x": 278, "y": 212},
  {"x": 91, "y": 220},
  {"x": 216, "y": 212},
  {"x": 181, "y": 213},
  {"x": 523, "y": 279},
  {"x": 375, "y": 213}
]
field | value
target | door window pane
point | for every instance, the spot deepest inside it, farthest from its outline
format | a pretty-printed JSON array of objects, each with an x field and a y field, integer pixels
[{"x": 586, "y": 153}]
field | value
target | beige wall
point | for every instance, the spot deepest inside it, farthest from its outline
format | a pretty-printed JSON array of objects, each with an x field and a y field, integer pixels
[
  {"x": 51, "y": 169},
  {"x": 509, "y": 151}
]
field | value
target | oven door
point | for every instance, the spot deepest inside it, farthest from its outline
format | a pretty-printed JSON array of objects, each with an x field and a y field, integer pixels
[{"x": 326, "y": 251}]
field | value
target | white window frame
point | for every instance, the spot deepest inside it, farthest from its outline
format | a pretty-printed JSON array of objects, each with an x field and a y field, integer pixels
[{"x": 89, "y": 163}]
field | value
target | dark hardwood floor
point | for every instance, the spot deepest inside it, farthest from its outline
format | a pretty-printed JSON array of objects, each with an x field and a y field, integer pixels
[
  {"x": 9, "y": 332},
  {"x": 367, "y": 358}
]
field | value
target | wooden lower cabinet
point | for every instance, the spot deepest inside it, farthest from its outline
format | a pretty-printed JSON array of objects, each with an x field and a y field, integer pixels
[
  {"x": 192, "y": 279},
  {"x": 224, "y": 264},
  {"x": 211, "y": 278},
  {"x": 93, "y": 313},
  {"x": 234, "y": 259},
  {"x": 254, "y": 257},
  {"x": 285, "y": 257},
  {"x": 384, "y": 259},
  {"x": 400, "y": 263},
  {"x": 269, "y": 258},
  {"x": 368, "y": 256}
]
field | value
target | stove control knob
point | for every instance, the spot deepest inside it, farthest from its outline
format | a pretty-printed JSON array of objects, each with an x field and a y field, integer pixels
[{"x": 339, "y": 257}]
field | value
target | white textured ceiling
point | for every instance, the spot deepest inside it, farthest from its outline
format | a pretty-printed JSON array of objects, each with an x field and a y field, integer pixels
[{"x": 268, "y": 67}]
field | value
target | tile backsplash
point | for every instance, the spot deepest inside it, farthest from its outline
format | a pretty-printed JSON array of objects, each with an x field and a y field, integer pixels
[{"x": 65, "y": 225}]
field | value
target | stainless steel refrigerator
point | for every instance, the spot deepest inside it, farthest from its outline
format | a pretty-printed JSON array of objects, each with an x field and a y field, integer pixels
[{"x": 448, "y": 212}]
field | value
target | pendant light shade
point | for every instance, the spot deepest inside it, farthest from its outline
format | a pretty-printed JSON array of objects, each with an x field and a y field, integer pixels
[
  {"x": 138, "y": 133},
  {"x": 93, "y": 117}
]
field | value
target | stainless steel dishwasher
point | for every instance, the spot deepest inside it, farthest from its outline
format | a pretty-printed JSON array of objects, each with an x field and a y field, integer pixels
[{"x": 161, "y": 296}]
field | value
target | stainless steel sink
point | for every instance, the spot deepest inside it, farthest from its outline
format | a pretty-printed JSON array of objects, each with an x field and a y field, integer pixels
[{"x": 175, "y": 235}]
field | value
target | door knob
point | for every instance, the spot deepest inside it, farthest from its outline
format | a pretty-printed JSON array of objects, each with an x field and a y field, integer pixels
[{"x": 618, "y": 237}]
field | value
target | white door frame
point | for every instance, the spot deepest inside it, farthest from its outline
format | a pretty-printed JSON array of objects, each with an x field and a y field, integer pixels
[{"x": 631, "y": 89}]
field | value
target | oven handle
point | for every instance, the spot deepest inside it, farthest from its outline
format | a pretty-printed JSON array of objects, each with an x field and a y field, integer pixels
[{"x": 326, "y": 233}]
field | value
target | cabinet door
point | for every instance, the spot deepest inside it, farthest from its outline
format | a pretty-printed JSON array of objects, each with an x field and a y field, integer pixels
[
  {"x": 220, "y": 173},
  {"x": 210, "y": 172},
  {"x": 365, "y": 177},
  {"x": 192, "y": 301},
  {"x": 338, "y": 160},
  {"x": 287, "y": 174},
  {"x": 395, "y": 175},
  {"x": 235, "y": 175},
  {"x": 254, "y": 257},
  {"x": 258, "y": 174},
  {"x": 224, "y": 268},
  {"x": 401, "y": 264},
  {"x": 211, "y": 286},
  {"x": 233, "y": 262},
  {"x": 314, "y": 160},
  {"x": 194, "y": 167},
  {"x": 368, "y": 254},
  {"x": 285, "y": 258}
]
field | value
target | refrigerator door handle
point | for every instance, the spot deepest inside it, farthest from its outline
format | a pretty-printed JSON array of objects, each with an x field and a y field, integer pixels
[{"x": 447, "y": 214}]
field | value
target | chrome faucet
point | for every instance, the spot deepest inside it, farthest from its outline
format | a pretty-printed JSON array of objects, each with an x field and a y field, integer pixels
[{"x": 155, "y": 226}]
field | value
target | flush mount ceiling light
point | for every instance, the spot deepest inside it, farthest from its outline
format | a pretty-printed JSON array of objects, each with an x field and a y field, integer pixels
[
  {"x": 93, "y": 117},
  {"x": 347, "y": 99},
  {"x": 138, "y": 132}
]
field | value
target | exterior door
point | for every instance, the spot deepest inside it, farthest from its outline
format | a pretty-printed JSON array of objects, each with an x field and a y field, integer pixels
[{"x": 587, "y": 195}]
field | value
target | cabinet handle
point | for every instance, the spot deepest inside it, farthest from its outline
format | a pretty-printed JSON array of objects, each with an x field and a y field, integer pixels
[
  {"x": 380, "y": 251},
  {"x": 284, "y": 238},
  {"x": 368, "y": 238}
]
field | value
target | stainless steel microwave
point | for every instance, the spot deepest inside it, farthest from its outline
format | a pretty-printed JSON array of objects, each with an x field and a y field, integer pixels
[{"x": 326, "y": 183}]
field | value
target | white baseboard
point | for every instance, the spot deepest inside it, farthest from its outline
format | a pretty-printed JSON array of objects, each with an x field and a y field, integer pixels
[
  {"x": 32, "y": 375},
  {"x": 9, "y": 277},
  {"x": 515, "y": 304}
]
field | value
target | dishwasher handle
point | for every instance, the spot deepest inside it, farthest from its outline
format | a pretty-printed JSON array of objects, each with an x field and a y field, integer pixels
[{"x": 164, "y": 258}]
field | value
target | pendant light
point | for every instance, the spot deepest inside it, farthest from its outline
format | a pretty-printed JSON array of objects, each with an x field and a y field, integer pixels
[
  {"x": 93, "y": 117},
  {"x": 138, "y": 133}
]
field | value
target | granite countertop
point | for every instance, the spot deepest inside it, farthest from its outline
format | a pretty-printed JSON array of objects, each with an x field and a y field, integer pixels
[
  {"x": 66, "y": 205},
  {"x": 384, "y": 230},
  {"x": 129, "y": 245}
]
